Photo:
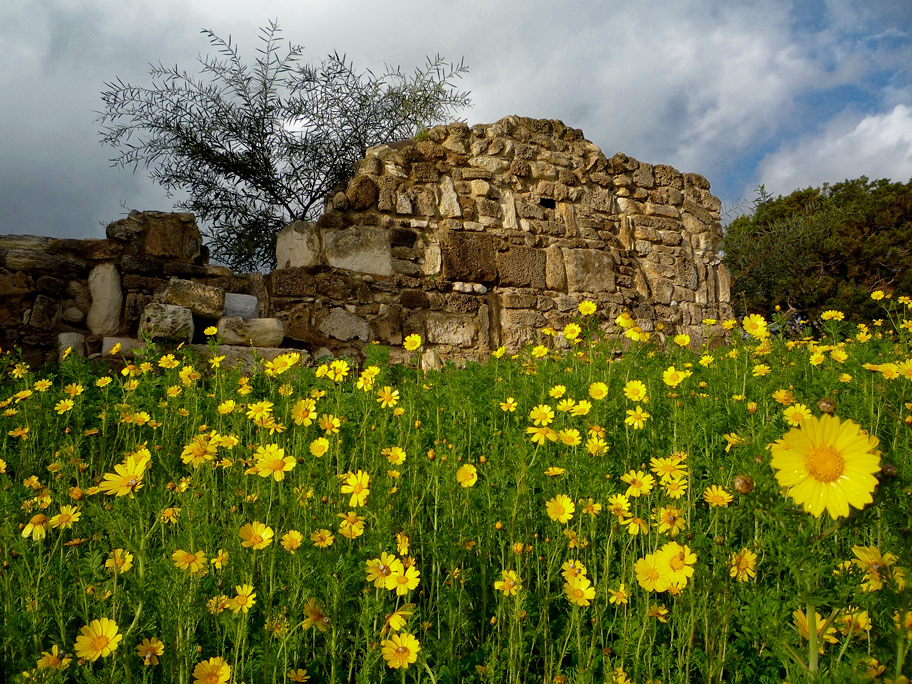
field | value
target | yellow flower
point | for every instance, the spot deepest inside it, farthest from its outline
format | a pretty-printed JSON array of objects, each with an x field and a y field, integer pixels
[
  {"x": 796, "y": 414},
  {"x": 467, "y": 475},
  {"x": 220, "y": 560},
  {"x": 582, "y": 408},
  {"x": 827, "y": 464},
  {"x": 244, "y": 600},
  {"x": 256, "y": 535},
  {"x": 377, "y": 570},
  {"x": 682, "y": 340},
  {"x": 150, "y": 650},
  {"x": 54, "y": 659},
  {"x": 319, "y": 447},
  {"x": 193, "y": 562},
  {"x": 98, "y": 639},
  {"x": 658, "y": 611},
  {"x": 329, "y": 423},
  {"x": 291, "y": 541},
  {"x": 670, "y": 520},
  {"x": 212, "y": 671},
  {"x": 560, "y": 508},
  {"x": 299, "y": 675},
  {"x": 877, "y": 295},
  {"x": 499, "y": 352},
  {"x": 63, "y": 406},
  {"x": 635, "y": 390},
  {"x": 403, "y": 581},
  {"x": 509, "y": 405},
  {"x": 760, "y": 370},
  {"x": 358, "y": 485},
  {"x": 412, "y": 342},
  {"x": 539, "y": 351},
  {"x": 36, "y": 527},
  {"x": 832, "y": 315},
  {"x": 119, "y": 561},
  {"x": 648, "y": 574},
  {"x": 210, "y": 330},
  {"x": 801, "y": 624},
  {"x": 400, "y": 651},
  {"x": 636, "y": 418},
  {"x": 715, "y": 496},
  {"x": 398, "y": 619},
  {"x": 271, "y": 460},
  {"x": 322, "y": 538},
  {"x": 586, "y": 307},
  {"x": 570, "y": 437},
  {"x": 598, "y": 390},
  {"x": 754, "y": 325},
  {"x": 542, "y": 415},
  {"x": 743, "y": 565},
  {"x": 639, "y": 483},
  {"x": 572, "y": 331},
  {"x": 387, "y": 397},
  {"x": 315, "y": 616},
  {"x": 65, "y": 519},
  {"x": 673, "y": 377},
  {"x": 579, "y": 590},
  {"x": 675, "y": 563},
  {"x": 510, "y": 584},
  {"x": 618, "y": 597}
]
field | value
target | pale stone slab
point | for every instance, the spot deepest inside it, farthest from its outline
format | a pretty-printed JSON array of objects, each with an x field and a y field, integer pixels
[
  {"x": 359, "y": 248},
  {"x": 452, "y": 329},
  {"x": 341, "y": 325},
  {"x": 449, "y": 201},
  {"x": 298, "y": 245},
  {"x": 166, "y": 322},
  {"x": 203, "y": 300},
  {"x": 241, "y": 305},
  {"x": 73, "y": 341},
  {"x": 255, "y": 332},
  {"x": 589, "y": 270},
  {"x": 107, "y": 300}
]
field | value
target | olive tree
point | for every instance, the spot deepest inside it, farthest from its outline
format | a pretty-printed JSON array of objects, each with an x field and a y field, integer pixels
[{"x": 257, "y": 146}]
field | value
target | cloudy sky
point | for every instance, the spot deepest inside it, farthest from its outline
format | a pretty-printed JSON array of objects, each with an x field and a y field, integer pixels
[{"x": 788, "y": 94}]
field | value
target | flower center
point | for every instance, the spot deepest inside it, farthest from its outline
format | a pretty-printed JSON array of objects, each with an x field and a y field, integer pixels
[
  {"x": 677, "y": 562},
  {"x": 278, "y": 464},
  {"x": 825, "y": 464},
  {"x": 402, "y": 650},
  {"x": 100, "y": 642}
]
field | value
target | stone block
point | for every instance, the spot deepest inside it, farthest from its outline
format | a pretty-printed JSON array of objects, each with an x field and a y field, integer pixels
[
  {"x": 522, "y": 267},
  {"x": 45, "y": 313},
  {"x": 361, "y": 193},
  {"x": 469, "y": 257},
  {"x": 241, "y": 305},
  {"x": 203, "y": 300},
  {"x": 555, "y": 272},
  {"x": 103, "y": 317},
  {"x": 341, "y": 325},
  {"x": 452, "y": 329},
  {"x": 29, "y": 243},
  {"x": 183, "y": 269},
  {"x": 433, "y": 260},
  {"x": 50, "y": 286},
  {"x": 97, "y": 250},
  {"x": 291, "y": 282},
  {"x": 171, "y": 236},
  {"x": 75, "y": 342},
  {"x": 359, "y": 248},
  {"x": 589, "y": 270},
  {"x": 448, "y": 205},
  {"x": 298, "y": 245},
  {"x": 255, "y": 332},
  {"x": 295, "y": 317},
  {"x": 166, "y": 322},
  {"x": 134, "y": 305}
]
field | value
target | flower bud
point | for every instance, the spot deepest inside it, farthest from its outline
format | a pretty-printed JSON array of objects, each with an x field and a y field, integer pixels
[
  {"x": 744, "y": 484},
  {"x": 826, "y": 405}
]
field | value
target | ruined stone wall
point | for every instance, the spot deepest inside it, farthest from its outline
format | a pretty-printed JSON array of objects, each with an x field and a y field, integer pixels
[
  {"x": 477, "y": 237},
  {"x": 470, "y": 237}
]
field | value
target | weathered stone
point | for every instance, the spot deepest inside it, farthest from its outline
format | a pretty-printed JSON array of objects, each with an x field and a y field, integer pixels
[
  {"x": 255, "y": 332},
  {"x": 75, "y": 342},
  {"x": 45, "y": 313},
  {"x": 361, "y": 249},
  {"x": 298, "y": 245},
  {"x": 555, "y": 272},
  {"x": 241, "y": 305},
  {"x": 361, "y": 193},
  {"x": 522, "y": 267},
  {"x": 292, "y": 282},
  {"x": 71, "y": 314},
  {"x": 96, "y": 250},
  {"x": 203, "y": 300},
  {"x": 469, "y": 257},
  {"x": 171, "y": 236},
  {"x": 166, "y": 322},
  {"x": 103, "y": 317},
  {"x": 430, "y": 360},
  {"x": 588, "y": 270},
  {"x": 29, "y": 243},
  {"x": 341, "y": 325},
  {"x": 449, "y": 201},
  {"x": 50, "y": 286},
  {"x": 455, "y": 330},
  {"x": 134, "y": 305}
]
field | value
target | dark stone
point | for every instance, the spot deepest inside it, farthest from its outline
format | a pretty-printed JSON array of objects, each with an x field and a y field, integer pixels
[
  {"x": 486, "y": 207},
  {"x": 468, "y": 257},
  {"x": 337, "y": 287},
  {"x": 126, "y": 230},
  {"x": 403, "y": 237},
  {"x": 522, "y": 267},
  {"x": 50, "y": 286},
  {"x": 178, "y": 268},
  {"x": 413, "y": 299},
  {"x": 131, "y": 281},
  {"x": 135, "y": 264},
  {"x": 97, "y": 250},
  {"x": 425, "y": 172},
  {"x": 45, "y": 313},
  {"x": 134, "y": 303},
  {"x": 461, "y": 303}
]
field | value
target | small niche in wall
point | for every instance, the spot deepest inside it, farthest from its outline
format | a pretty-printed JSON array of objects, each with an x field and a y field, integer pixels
[{"x": 547, "y": 203}]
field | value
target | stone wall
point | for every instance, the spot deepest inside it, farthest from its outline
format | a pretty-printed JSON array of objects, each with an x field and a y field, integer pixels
[
  {"x": 477, "y": 237},
  {"x": 470, "y": 237}
]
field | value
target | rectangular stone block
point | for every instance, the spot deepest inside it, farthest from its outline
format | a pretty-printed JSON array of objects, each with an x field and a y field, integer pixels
[
  {"x": 588, "y": 270},
  {"x": 522, "y": 267}
]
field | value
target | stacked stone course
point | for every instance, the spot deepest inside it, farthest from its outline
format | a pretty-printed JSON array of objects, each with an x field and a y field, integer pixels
[{"x": 470, "y": 237}]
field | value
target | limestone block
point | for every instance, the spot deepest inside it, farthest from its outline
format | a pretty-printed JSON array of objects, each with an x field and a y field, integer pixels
[
  {"x": 45, "y": 313},
  {"x": 522, "y": 267},
  {"x": 171, "y": 236},
  {"x": 341, "y": 325},
  {"x": 430, "y": 360},
  {"x": 166, "y": 322},
  {"x": 469, "y": 257},
  {"x": 73, "y": 341},
  {"x": 508, "y": 208},
  {"x": 359, "y": 248},
  {"x": 203, "y": 300},
  {"x": 723, "y": 284},
  {"x": 661, "y": 210},
  {"x": 662, "y": 289},
  {"x": 449, "y": 200},
  {"x": 292, "y": 282},
  {"x": 490, "y": 164},
  {"x": 361, "y": 193},
  {"x": 452, "y": 329},
  {"x": 241, "y": 305},
  {"x": 107, "y": 300},
  {"x": 588, "y": 270},
  {"x": 255, "y": 332},
  {"x": 433, "y": 260},
  {"x": 480, "y": 188},
  {"x": 298, "y": 245},
  {"x": 31, "y": 243},
  {"x": 403, "y": 204},
  {"x": 555, "y": 272},
  {"x": 72, "y": 313},
  {"x": 295, "y": 316}
]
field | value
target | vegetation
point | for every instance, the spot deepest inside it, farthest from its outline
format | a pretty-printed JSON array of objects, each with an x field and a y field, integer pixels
[
  {"x": 585, "y": 511},
  {"x": 255, "y": 147},
  {"x": 822, "y": 248}
]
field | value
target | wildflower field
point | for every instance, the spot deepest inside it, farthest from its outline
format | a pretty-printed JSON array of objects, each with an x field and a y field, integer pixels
[{"x": 606, "y": 506}]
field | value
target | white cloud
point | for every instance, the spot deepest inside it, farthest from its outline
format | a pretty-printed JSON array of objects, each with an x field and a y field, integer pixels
[{"x": 876, "y": 146}]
